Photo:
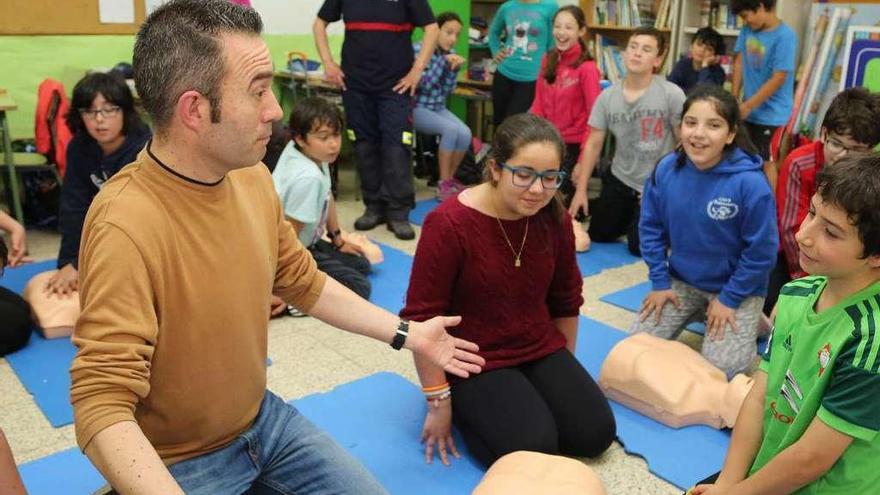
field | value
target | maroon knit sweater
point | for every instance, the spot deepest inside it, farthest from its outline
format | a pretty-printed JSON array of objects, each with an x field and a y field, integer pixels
[{"x": 463, "y": 266}]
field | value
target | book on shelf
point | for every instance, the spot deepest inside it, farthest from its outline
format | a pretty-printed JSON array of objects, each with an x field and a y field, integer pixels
[
  {"x": 632, "y": 13},
  {"x": 663, "y": 15},
  {"x": 608, "y": 58},
  {"x": 718, "y": 14}
]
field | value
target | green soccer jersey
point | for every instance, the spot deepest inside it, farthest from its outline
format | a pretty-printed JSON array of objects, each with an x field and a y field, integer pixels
[{"x": 825, "y": 365}]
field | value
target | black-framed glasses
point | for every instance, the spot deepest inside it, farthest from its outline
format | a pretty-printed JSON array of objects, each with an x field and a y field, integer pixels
[
  {"x": 836, "y": 147},
  {"x": 525, "y": 176},
  {"x": 103, "y": 112}
]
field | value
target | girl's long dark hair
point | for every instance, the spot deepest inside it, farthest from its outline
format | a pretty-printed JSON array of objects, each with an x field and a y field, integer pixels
[
  {"x": 553, "y": 55},
  {"x": 727, "y": 107},
  {"x": 520, "y": 130}
]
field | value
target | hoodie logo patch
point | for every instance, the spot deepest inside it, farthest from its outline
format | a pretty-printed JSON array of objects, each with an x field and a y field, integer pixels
[{"x": 722, "y": 209}]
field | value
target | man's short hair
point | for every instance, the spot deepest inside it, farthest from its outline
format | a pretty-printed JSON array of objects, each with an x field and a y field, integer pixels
[
  {"x": 650, "y": 31},
  {"x": 177, "y": 50},
  {"x": 853, "y": 185},
  {"x": 309, "y": 114},
  {"x": 712, "y": 39},
  {"x": 855, "y": 112},
  {"x": 738, "y": 6}
]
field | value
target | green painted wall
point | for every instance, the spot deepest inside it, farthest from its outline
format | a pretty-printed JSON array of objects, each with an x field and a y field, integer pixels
[{"x": 26, "y": 60}]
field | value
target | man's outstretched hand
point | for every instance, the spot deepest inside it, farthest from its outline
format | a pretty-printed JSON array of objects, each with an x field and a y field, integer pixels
[{"x": 454, "y": 355}]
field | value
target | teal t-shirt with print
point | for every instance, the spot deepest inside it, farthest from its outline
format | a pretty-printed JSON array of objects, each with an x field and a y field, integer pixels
[
  {"x": 825, "y": 365},
  {"x": 528, "y": 32}
]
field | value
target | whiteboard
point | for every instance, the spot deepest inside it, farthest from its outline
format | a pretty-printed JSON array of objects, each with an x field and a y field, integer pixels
[{"x": 291, "y": 16}]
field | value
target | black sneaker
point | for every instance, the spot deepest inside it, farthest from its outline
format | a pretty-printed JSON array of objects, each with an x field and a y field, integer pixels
[
  {"x": 369, "y": 220},
  {"x": 402, "y": 229}
]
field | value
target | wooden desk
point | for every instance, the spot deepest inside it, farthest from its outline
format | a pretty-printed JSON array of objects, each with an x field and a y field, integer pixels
[
  {"x": 8, "y": 104},
  {"x": 294, "y": 82},
  {"x": 316, "y": 82},
  {"x": 476, "y": 94},
  {"x": 473, "y": 83}
]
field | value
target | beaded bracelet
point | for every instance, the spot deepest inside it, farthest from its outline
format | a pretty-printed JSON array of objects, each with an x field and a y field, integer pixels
[{"x": 435, "y": 399}]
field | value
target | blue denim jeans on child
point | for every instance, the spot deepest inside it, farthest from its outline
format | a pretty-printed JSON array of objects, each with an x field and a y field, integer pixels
[{"x": 281, "y": 453}]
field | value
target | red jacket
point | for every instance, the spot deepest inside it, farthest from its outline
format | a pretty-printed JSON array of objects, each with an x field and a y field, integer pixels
[
  {"x": 795, "y": 186},
  {"x": 42, "y": 133},
  {"x": 568, "y": 101}
]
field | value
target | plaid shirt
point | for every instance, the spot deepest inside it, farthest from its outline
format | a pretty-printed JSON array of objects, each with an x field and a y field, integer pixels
[{"x": 438, "y": 80}]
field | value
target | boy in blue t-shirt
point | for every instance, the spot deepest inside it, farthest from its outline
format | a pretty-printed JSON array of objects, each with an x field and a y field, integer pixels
[
  {"x": 764, "y": 67},
  {"x": 302, "y": 180},
  {"x": 811, "y": 423}
]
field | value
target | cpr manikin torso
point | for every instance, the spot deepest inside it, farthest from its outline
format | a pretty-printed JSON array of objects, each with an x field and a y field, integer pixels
[
  {"x": 55, "y": 315},
  {"x": 672, "y": 383},
  {"x": 530, "y": 473}
]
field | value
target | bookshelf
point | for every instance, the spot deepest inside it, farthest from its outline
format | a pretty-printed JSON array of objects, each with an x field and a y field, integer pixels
[{"x": 610, "y": 22}]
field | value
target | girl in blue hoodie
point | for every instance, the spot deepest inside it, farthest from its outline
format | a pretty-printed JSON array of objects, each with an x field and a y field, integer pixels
[{"x": 708, "y": 233}]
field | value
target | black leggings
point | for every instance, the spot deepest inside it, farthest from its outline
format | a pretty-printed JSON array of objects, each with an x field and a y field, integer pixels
[
  {"x": 550, "y": 405},
  {"x": 510, "y": 97},
  {"x": 615, "y": 213},
  {"x": 15, "y": 322}
]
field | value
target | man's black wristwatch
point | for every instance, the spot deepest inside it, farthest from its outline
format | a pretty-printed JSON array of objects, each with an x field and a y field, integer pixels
[{"x": 400, "y": 336}]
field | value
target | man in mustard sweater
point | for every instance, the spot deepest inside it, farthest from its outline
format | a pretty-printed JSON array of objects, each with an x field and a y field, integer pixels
[{"x": 181, "y": 252}]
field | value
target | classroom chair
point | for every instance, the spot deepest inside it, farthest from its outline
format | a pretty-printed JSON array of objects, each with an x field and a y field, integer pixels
[{"x": 28, "y": 162}]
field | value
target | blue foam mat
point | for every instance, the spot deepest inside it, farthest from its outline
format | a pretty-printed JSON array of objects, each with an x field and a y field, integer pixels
[
  {"x": 680, "y": 456},
  {"x": 69, "y": 472},
  {"x": 384, "y": 435},
  {"x": 604, "y": 255},
  {"x": 631, "y": 299},
  {"x": 417, "y": 215},
  {"x": 390, "y": 279},
  {"x": 42, "y": 365}
]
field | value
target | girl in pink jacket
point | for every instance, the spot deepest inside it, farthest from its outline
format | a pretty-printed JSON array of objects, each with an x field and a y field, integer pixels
[{"x": 568, "y": 86}]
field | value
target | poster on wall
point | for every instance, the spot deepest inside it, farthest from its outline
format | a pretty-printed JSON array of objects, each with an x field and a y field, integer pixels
[
  {"x": 116, "y": 11},
  {"x": 861, "y": 58}
]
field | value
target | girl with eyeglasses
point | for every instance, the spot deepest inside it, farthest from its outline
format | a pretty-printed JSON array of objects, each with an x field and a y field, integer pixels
[
  {"x": 108, "y": 134},
  {"x": 501, "y": 255},
  {"x": 708, "y": 233}
]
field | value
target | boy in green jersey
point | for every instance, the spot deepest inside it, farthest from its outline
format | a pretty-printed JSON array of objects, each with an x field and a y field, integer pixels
[{"x": 810, "y": 423}]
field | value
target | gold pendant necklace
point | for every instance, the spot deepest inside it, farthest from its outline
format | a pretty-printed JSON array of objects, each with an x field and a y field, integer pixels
[{"x": 516, "y": 261}]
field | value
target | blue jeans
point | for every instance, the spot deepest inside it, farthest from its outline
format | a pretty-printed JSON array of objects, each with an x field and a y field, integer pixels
[
  {"x": 454, "y": 134},
  {"x": 281, "y": 453}
]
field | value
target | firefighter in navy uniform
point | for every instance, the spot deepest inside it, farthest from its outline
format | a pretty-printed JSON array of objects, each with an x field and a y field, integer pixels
[{"x": 378, "y": 78}]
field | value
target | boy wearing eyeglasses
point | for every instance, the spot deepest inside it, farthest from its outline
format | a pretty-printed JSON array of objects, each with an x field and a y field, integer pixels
[
  {"x": 642, "y": 112},
  {"x": 108, "y": 134},
  {"x": 850, "y": 125}
]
